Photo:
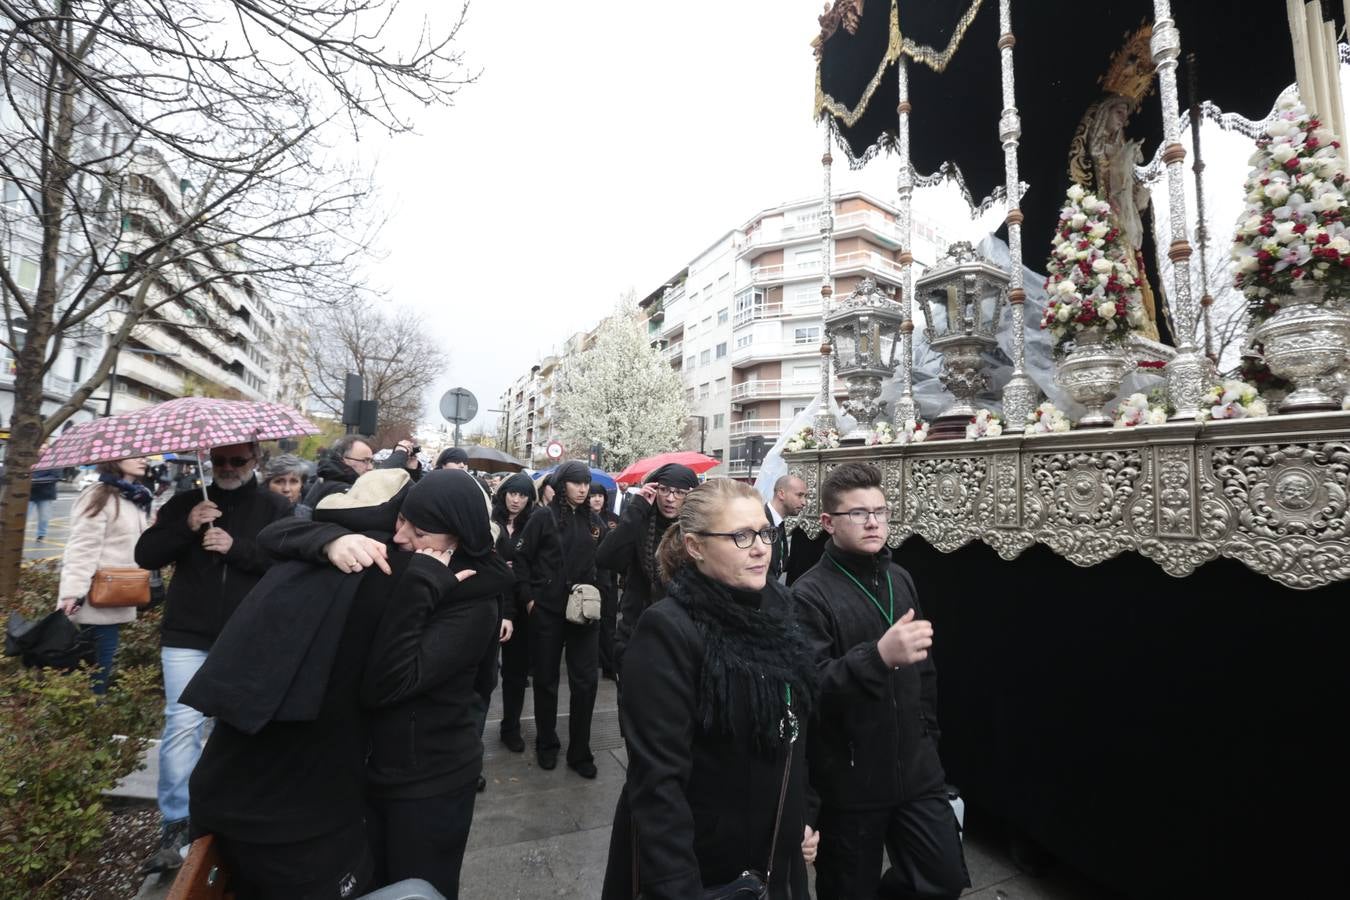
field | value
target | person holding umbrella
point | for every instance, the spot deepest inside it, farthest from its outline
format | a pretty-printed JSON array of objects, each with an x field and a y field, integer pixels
[
  {"x": 211, "y": 545},
  {"x": 631, "y": 547}
]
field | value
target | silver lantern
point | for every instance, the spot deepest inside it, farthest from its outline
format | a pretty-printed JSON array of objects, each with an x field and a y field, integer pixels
[
  {"x": 864, "y": 329},
  {"x": 962, "y": 298}
]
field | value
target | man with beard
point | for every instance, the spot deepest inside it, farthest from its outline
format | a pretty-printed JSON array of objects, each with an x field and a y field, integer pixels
[
  {"x": 212, "y": 546},
  {"x": 631, "y": 547},
  {"x": 551, "y": 634},
  {"x": 609, "y": 584},
  {"x": 789, "y": 499}
]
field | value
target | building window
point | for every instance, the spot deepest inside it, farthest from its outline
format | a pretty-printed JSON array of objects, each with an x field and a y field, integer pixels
[
  {"x": 707, "y": 323},
  {"x": 689, "y": 395},
  {"x": 808, "y": 335},
  {"x": 806, "y": 259},
  {"x": 27, "y": 275},
  {"x": 689, "y": 362},
  {"x": 722, "y": 315},
  {"x": 717, "y": 454},
  {"x": 797, "y": 411},
  {"x": 751, "y": 298},
  {"x": 691, "y": 330},
  {"x": 805, "y": 374},
  {"x": 79, "y": 369},
  {"x": 719, "y": 421},
  {"x": 705, "y": 358},
  {"x": 721, "y": 385},
  {"x": 721, "y": 349},
  {"x": 745, "y": 340},
  {"x": 705, "y": 390}
]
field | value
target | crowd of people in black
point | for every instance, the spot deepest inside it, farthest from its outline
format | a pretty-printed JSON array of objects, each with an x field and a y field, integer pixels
[{"x": 331, "y": 646}]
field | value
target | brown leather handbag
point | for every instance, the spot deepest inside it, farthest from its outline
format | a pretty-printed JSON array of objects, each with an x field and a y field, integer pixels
[{"x": 118, "y": 586}]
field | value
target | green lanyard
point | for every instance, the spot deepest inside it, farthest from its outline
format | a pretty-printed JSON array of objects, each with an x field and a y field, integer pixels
[{"x": 890, "y": 589}]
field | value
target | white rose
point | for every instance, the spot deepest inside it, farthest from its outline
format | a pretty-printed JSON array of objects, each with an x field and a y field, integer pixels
[
  {"x": 1257, "y": 408},
  {"x": 1107, "y": 310},
  {"x": 1078, "y": 221},
  {"x": 1284, "y": 232},
  {"x": 1157, "y": 417},
  {"x": 1282, "y": 153},
  {"x": 1339, "y": 244},
  {"x": 1076, "y": 192},
  {"x": 1063, "y": 313},
  {"x": 1247, "y": 263},
  {"x": 1099, "y": 230},
  {"x": 1101, "y": 264},
  {"x": 920, "y": 435},
  {"x": 1277, "y": 192},
  {"x": 1060, "y": 424},
  {"x": 1279, "y": 128},
  {"x": 993, "y": 429},
  {"x": 1065, "y": 287},
  {"x": 1089, "y": 200}
]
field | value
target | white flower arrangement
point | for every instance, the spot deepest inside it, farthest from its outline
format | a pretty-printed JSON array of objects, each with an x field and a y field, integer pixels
[
  {"x": 1091, "y": 281},
  {"x": 1047, "y": 419},
  {"x": 1136, "y": 410},
  {"x": 984, "y": 424},
  {"x": 914, "y": 431},
  {"x": 1232, "y": 400},
  {"x": 1292, "y": 227},
  {"x": 1345, "y": 403},
  {"x": 809, "y": 439},
  {"x": 883, "y": 433}
]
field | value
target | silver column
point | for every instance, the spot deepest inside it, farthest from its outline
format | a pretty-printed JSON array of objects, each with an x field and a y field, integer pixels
[
  {"x": 905, "y": 407},
  {"x": 824, "y": 417}
]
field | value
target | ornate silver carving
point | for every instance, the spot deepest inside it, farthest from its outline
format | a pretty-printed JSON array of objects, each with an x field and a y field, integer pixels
[
  {"x": 905, "y": 406},
  {"x": 1273, "y": 493},
  {"x": 1091, "y": 374},
  {"x": 1305, "y": 342}
]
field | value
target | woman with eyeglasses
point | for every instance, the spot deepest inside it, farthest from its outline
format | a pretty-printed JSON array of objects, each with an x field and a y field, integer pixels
[
  {"x": 630, "y": 547},
  {"x": 714, "y": 718}
]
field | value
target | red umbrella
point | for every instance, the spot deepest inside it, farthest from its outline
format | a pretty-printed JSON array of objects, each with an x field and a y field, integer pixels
[
  {"x": 188, "y": 423},
  {"x": 643, "y": 467}
]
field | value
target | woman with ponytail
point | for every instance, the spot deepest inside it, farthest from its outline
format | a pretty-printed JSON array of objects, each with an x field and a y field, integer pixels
[{"x": 714, "y": 718}]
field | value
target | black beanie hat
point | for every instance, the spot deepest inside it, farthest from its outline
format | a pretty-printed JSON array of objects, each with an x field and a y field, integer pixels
[
  {"x": 571, "y": 472},
  {"x": 449, "y": 501},
  {"x": 598, "y": 488},
  {"x": 452, "y": 455},
  {"x": 519, "y": 483},
  {"x": 674, "y": 475}
]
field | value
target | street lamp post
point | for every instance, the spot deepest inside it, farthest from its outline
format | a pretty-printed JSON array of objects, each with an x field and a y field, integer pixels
[{"x": 506, "y": 440}]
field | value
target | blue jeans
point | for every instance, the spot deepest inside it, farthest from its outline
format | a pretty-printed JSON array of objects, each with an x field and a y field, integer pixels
[
  {"x": 44, "y": 515},
  {"x": 105, "y": 648},
  {"x": 185, "y": 732}
]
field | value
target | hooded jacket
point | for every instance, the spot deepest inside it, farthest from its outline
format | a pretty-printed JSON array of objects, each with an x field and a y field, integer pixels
[
  {"x": 207, "y": 587},
  {"x": 873, "y": 742},
  {"x": 531, "y": 548}
]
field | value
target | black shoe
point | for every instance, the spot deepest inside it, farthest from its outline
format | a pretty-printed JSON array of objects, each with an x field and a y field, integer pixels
[
  {"x": 514, "y": 742},
  {"x": 168, "y": 858},
  {"x": 548, "y": 759},
  {"x": 482, "y": 784},
  {"x": 609, "y": 673},
  {"x": 584, "y": 769}
]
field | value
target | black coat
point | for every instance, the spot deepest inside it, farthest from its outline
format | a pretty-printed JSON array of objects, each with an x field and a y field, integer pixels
[
  {"x": 334, "y": 477},
  {"x": 874, "y": 734},
  {"x": 535, "y": 557},
  {"x": 779, "y": 545},
  {"x": 621, "y": 551},
  {"x": 576, "y": 532},
  {"x": 207, "y": 587},
  {"x": 704, "y": 805}
]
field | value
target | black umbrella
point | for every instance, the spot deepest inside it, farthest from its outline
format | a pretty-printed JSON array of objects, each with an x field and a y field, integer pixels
[
  {"x": 486, "y": 459},
  {"x": 1062, "y": 52}
]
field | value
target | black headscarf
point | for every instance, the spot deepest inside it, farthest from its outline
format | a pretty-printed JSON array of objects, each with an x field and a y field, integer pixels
[
  {"x": 449, "y": 501},
  {"x": 519, "y": 483},
  {"x": 452, "y": 454},
  {"x": 572, "y": 472},
  {"x": 674, "y": 475}
]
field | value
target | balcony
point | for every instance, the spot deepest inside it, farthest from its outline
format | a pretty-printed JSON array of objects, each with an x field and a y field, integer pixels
[
  {"x": 844, "y": 264},
  {"x": 873, "y": 223},
  {"x": 674, "y": 352},
  {"x": 767, "y": 427},
  {"x": 772, "y": 350},
  {"x": 769, "y": 390}
]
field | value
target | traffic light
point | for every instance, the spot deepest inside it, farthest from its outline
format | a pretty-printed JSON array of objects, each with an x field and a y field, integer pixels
[{"x": 597, "y": 454}]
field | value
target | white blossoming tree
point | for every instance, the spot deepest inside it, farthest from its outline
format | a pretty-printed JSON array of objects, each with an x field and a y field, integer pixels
[{"x": 622, "y": 394}]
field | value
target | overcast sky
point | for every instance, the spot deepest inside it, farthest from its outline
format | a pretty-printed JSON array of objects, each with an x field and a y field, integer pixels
[{"x": 604, "y": 145}]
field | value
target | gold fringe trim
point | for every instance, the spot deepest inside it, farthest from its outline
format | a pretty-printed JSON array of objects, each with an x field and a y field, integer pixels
[{"x": 938, "y": 61}]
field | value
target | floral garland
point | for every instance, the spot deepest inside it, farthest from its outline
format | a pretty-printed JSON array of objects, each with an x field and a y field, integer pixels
[
  {"x": 1137, "y": 409},
  {"x": 809, "y": 439},
  {"x": 1091, "y": 281},
  {"x": 914, "y": 431},
  {"x": 1046, "y": 419},
  {"x": 1232, "y": 400},
  {"x": 1292, "y": 228},
  {"x": 984, "y": 424}
]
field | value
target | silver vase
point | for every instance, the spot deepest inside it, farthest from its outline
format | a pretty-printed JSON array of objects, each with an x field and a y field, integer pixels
[
  {"x": 1091, "y": 374},
  {"x": 1305, "y": 343},
  {"x": 864, "y": 404}
]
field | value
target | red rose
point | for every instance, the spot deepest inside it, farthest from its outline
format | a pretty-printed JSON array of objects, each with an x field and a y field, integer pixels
[
  {"x": 1292, "y": 164},
  {"x": 1300, "y": 228}
]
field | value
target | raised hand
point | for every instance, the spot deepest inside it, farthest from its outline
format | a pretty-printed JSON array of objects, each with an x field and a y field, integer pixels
[{"x": 906, "y": 642}]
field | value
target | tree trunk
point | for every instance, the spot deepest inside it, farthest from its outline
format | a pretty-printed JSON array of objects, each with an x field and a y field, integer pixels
[{"x": 25, "y": 436}]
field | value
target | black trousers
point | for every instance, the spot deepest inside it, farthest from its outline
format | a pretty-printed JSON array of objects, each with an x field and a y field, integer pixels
[
  {"x": 423, "y": 838},
  {"x": 515, "y": 675},
  {"x": 485, "y": 681},
  {"x": 921, "y": 837},
  {"x": 334, "y": 866},
  {"x": 609, "y": 618},
  {"x": 550, "y": 636}
]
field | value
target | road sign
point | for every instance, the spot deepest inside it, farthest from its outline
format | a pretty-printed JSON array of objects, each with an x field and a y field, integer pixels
[
  {"x": 554, "y": 450},
  {"x": 458, "y": 406}
]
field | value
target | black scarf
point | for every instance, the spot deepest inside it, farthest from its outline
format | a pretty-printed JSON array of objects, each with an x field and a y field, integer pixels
[
  {"x": 134, "y": 491},
  {"x": 753, "y": 651}
]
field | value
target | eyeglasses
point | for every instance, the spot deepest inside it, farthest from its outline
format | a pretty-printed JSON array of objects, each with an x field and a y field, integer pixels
[
  {"x": 860, "y": 516},
  {"x": 364, "y": 460},
  {"x": 745, "y": 539},
  {"x": 232, "y": 462},
  {"x": 666, "y": 491}
]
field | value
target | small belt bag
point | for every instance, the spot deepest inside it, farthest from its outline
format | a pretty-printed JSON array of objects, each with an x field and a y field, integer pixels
[
  {"x": 118, "y": 586},
  {"x": 583, "y": 604}
]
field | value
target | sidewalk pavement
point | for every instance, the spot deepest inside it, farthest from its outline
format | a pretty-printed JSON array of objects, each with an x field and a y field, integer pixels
[{"x": 539, "y": 834}]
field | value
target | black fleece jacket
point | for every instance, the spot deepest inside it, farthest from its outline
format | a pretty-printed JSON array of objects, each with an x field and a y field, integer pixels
[
  {"x": 563, "y": 559},
  {"x": 535, "y": 557},
  {"x": 874, "y": 737},
  {"x": 207, "y": 587},
  {"x": 621, "y": 551}
]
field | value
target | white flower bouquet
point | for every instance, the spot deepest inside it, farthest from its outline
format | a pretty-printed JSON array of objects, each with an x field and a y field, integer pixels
[
  {"x": 1091, "y": 281},
  {"x": 1137, "y": 410},
  {"x": 882, "y": 434},
  {"x": 915, "y": 431},
  {"x": 1232, "y": 400},
  {"x": 1292, "y": 227},
  {"x": 1047, "y": 419},
  {"x": 809, "y": 439},
  {"x": 984, "y": 424}
]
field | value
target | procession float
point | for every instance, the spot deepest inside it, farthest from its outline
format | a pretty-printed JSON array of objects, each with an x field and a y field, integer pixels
[{"x": 1129, "y": 529}]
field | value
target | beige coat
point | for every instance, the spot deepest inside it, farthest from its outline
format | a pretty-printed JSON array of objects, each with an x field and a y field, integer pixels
[{"x": 105, "y": 540}]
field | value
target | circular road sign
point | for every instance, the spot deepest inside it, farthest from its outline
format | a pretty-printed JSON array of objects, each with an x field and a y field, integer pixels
[
  {"x": 458, "y": 406},
  {"x": 554, "y": 450}
]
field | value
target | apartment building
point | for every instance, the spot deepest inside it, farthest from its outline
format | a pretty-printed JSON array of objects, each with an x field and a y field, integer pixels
[{"x": 528, "y": 406}]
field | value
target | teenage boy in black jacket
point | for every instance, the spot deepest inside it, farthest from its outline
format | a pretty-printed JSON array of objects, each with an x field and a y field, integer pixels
[
  {"x": 579, "y": 530},
  {"x": 211, "y": 545},
  {"x": 873, "y": 749}
]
